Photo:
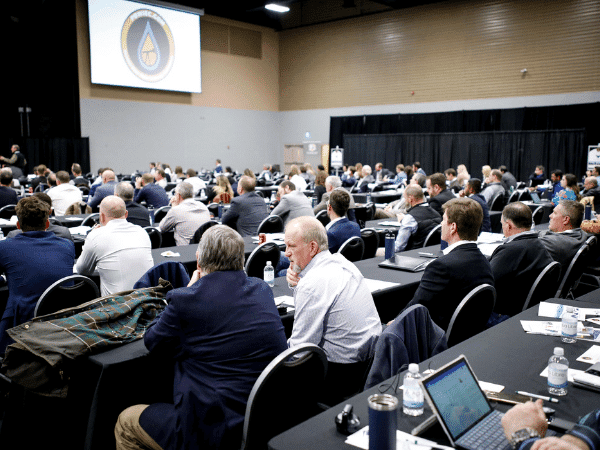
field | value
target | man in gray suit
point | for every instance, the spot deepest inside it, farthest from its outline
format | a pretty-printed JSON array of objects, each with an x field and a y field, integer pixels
[
  {"x": 292, "y": 203},
  {"x": 564, "y": 237},
  {"x": 331, "y": 182},
  {"x": 247, "y": 210}
]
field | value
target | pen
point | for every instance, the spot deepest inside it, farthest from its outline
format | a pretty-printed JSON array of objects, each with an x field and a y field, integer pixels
[
  {"x": 543, "y": 397},
  {"x": 425, "y": 425},
  {"x": 427, "y": 255}
]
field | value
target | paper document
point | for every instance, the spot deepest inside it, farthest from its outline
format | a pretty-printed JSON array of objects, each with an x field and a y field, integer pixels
[
  {"x": 389, "y": 223},
  {"x": 378, "y": 285},
  {"x": 555, "y": 310},
  {"x": 286, "y": 300},
  {"x": 488, "y": 248},
  {"x": 490, "y": 238},
  {"x": 81, "y": 231},
  {"x": 591, "y": 356},
  {"x": 404, "y": 441}
]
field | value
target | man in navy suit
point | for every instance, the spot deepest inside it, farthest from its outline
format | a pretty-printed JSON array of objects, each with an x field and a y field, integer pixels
[
  {"x": 247, "y": 210},
  {"x": 8, "y": 196},
  {"x": 220, "y": 333},
  {"x": 339, "y": 229},
  {"x": 109, "y": 181},
  {"x": 438, "y": 194},
  {"x": 448, "y": 279},
  {"x": 473, "y": 190}
]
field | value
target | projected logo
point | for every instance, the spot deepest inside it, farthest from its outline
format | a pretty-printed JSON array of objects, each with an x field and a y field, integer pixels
[{"x": 147, "y": 45}]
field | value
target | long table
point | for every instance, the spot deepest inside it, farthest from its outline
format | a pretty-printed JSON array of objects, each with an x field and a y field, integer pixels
[{"x": 504, "y": 354}]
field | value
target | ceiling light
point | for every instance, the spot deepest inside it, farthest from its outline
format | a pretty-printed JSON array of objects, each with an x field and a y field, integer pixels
[{"x": 277, "y": 8}]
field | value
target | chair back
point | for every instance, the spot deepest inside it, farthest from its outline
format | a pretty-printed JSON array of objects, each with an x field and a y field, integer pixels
[
  {"x": 571, "y": 276},
  {"x": 544, "y": 286},
  {"x": 255, "y": 265},
  {"x": 172, "y": 271},
  {"x": 303, "y": 367},
  {"x": 524, "y": 195},
  {"x": 41, "y": 187},
  {"x": 497, "y": 203},
  {"x": 91, "y": 220},
  {"x": 170, "y": 186},
  {"x": 434, "y": 237},
  {"x": 538, "y": 215},
  {"x": 160, "y": 213},
  {"x": 84, "y": 189},
  {"x": 370, "y": 238},
  {"x": 200, "y": 231},
  {"x": 155, "y": 236},
  {"x": 6, "y": 212},
  {"x": 323, "y": 217},
  {"x": 514, "y": 196},
  {"x": 271, "y": 224},
  {"x": 471, "y": 315},
  {"x": 520, "y": 185},
  {"x": 67, "y": 292},
  {"x": 353, "y": 249}
]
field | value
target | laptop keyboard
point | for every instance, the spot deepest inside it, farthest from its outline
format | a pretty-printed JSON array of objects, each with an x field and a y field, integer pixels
[{"x": 487, "y": 434}]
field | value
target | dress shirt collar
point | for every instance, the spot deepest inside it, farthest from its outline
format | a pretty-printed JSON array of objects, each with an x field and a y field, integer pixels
[
  {"x": 524, "y": 233},
  {"x": 332, "y": 222},
  {"x": 456, "y": 244}
]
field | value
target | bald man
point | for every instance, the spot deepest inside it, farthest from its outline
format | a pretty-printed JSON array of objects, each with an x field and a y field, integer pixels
[
  {"x": 109, "y": 181},
  {"x": 121, "y": 251}
]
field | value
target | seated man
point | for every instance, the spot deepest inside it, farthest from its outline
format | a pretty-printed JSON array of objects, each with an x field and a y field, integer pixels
[
  {"x": 564, "y": 237},
  {"x": 136, "y": 213},
  {"x": 419, "y": 220},
  {"x": 247, "y": 210},
  {"x": 8, "y": 196},
  {"x": 472, "y": 190},
  {"x": 334, "y": 307},
  {"x": 104, "y": 190},
  {"x": 58, "y": 230},
  {"x": 493, "y": 188},
  {"x": 537, "y": 177},
  {"x": 40, "y": 171},
  {"x": 197, "y": 183},
  {"x": 438, "y": 194},
  {"x": 591, "y": 193},
  {"x": 339, "y": 229},
  {"x": 78, "y": 178},
  {"x": 333, "y": 182},
  {"x": 220, "y": 332},
  {"x": 31, "y": 261},
  {"x": 508, "y": 179},
  {"x": 64, "y": 194},
  {"x": 186, "y": 215},
  {"x": 366, "y": 179},
  {"x": 292, "y": 204},
  {"x": 448, "y": 279},
  {"x": 121, "y": 251},
  {"x": 518, "y": 261},
  {"x": 149, "y": 192},
  {"x": 160, "y": 177},
  {"x": 451, "y": 179}
]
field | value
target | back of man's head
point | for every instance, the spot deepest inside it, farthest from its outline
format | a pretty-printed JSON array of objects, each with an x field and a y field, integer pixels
[
  {"x": 496, "y": 174},
  {"x": 557, "y": 173},
  {"x": 467, "y": 214},
  {"x": 191, "y": 173},
  {"x": 502, "y": 169},
  {"x": 438, "y": 179},
  {"x": 186, "y": 190},
  {"x": 220, "y": 249},
  {"x": 147, "y": 178},
  {"x": 62, "y": 177},
  {"x": 113, "y": 207},
  {"x": 124, "y": 190},
  {"x": 366, "y": 170},
  {"x": 161, "y": 172},
  {"x": 6, "y": 177},
  {"x": 519, "y": 214},
  {"x": 76, "y": 169},
  {"x": 574, "y": 210},
  {"x": 44, "y": 197},
  {"x": 333, "y": 182},
  {"x": 592, "y": 180},
  {"x": 40, "y": 170},
  {"x": 450, "y": 172},
  {"x": 291, "y": 186},
  {"x": 51, "y": 179},
  {"x": 339, "y": 200},
  {"x": 108, "y": 175},
  {"x": 414, "y": 191},
  {"x": 475, "y": 185},
  {"x": 420, "y": 179},
  {"x": 247, "y": 183},
  {"x": 32, "y": 213}
]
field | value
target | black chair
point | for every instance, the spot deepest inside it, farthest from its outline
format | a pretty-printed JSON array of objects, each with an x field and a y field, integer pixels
[
  {"x": 353, "y": 249},
  {"x": 91, "y": 220},
  {"x": 84, "y": 189},
  {"x": 6, "y": 212},
  {"x": 160, "y": 213},
  {"x": 524, "y": 195},
  {"x": 155, "y": 236},
  {"x": 573, "y": 273},
  {"x": 538, "y": 215},
  {"x": 370, "y": 238},
  {"x": 520, "y": 185},
  {"x": 497, "y": 203},
  {"x": 471, "y": 315},
  {"x": 544, "y": 286},
  {"x": 41, "y": 187},
  {"x": 255, "y": 265},
  {"x": 271, "y": 224},
  {"x": 170, "y": 186},
  {"x": 513, "y": 197},
  {"x": 67, "y": 292},
  {"x": 213, "y": 209},
  {"x": 323, "y": 217},
  {"x": 434, "y": 237},
  {"x": 303, "y": 367},
  {"x": 200, "y": 231}
]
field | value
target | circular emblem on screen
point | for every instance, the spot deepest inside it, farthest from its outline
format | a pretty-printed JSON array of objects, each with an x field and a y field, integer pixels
[{"x": 147, "y": 45}]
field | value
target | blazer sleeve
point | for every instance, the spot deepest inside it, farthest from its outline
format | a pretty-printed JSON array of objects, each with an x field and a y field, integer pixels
[
  {"x": 431, "y": 288},
  {"x": 165, "y": 336},
  {"x": 232, "y": 213},
  {"x": 282, "y": 208}
]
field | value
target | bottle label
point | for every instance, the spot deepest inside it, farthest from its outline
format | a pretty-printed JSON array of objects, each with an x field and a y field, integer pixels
[
  {"x": 557, "y": 375},
  {"x": 569, "y": 327}
]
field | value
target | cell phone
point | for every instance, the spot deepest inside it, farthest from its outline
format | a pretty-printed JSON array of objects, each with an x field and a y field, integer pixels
[{"x": 511, "y": 399}]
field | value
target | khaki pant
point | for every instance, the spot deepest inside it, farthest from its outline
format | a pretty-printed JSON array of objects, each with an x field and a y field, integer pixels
[{"x": 128, "y": 432}]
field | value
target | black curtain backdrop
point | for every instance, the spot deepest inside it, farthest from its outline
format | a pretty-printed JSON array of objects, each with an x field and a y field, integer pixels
[
  {"x": 556, "y": 137},
  {"x": 56, "y": 153}
]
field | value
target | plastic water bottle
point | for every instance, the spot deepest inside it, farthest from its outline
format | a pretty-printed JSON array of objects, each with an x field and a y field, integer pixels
[
  {"x": 412, "y": 397},
  {"x": 220, "y": 210},
  {"x": 269, "y": 274},
  {"x": 569, "y": 326},
  {"x": 558, "y": 368},
  {"x": 1, "y": 234}
]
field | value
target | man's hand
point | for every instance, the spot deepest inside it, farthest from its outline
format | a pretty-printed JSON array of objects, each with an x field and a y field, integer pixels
[
  {"x": 195, "y": 277},
  {"x": 400, "y": 217},
  {"x": 566, "y": 442},
  {"x": 525, "y": 415},
  {"x": 292, "y": 276},
  {"x": 138, "y": 183}
]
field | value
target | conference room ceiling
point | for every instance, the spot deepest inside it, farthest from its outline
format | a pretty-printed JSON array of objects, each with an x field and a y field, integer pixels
[{"x": 302, "y": 12}]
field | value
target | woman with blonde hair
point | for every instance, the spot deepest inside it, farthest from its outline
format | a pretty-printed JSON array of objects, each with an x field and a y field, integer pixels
[
  {"x": 486, "y": 172},
  {"x": 462, "y": 175},
  {"x": 222, "y": 190}
]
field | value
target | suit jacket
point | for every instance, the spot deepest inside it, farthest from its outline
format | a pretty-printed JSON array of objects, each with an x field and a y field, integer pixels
[
  {"x": 508, "y": 180},
  {"x": 137, "y": 214},
  {"x": 246, "y": 213},
  {"x": 101, "y": 193},
  {"x": 563, "y": 246},
  {"x": 437, "y": 201},
  {"x": 292, "y": 205},
  {"x": 153, "y": 195},
  {"x": 340, "y": 232},
  {"x": 486, "y": 224},
  {"x": 58, "y": 230},
  {"x": 8, "y": 196},
  {"x": 448, "y": 279},
  {"x": 515, "y": 265},
  {"x": 220, "y": 333},
  {"x": 322, "y": 205},
  {"x": 363, "y": 184},
  {"x": 81, "y": 181},
  {"x": 594, "y": 192}
]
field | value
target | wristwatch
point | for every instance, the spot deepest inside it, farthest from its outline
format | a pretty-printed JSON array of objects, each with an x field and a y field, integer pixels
[{"x": 522, "y": 435}]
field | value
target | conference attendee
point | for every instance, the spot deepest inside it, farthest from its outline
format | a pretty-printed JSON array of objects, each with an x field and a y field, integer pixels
[
  {"x": 218, "y": 167},
  {"x": 64, "y": 194},
  {"x": 149, "y": 192},
  {"x": 508, "y": 179},
  {"x": 348, "y": 179},
  {"x": 332, "y": 182},
  {"x": 292, "y": 203},
  {"x": 136, "y": 214},
  {"x": 247, "y": 210},
  {"x": 320, "y": 188},
  {"x": 417, "y": 168},
  {"x": 525, "y": 426},
  {"x": 518, "y": 261},
  {"x": 222, "y": 191},
  {"x": 486, "y": 171},
  {"x": 537, "y": 177},
  {"x": 97, "y": 182},
  {"x": 107, "y": 188},
  {"x": 119, "y": 250},
  {"x": 417, "y": 223},
  {"x": 556, "y": 178},
  {"x": 185, "y": 216},
  {"x": 296, "y": 178},
  {"x": 179, "y": 175},
  {"x": 152, "y": 167},
  {"x": 160, "y": 178},
  {"x": 16, "y": 162},
  {"x": 32, "y": 261},
  {"x": 596, "y": 173},
  {"x": 449, "y": 278},
  {"x": 78, "y": 178},
  {"x": 40, "y": 178},
  {"x": 438, "y": 193},
  {"x": 564, "y": 237},
  {"x": 266, "y": 174},
  {"x": 339, "y": 229},
  {"x": 494, "y": 187},
  {"x": 334, "y": 307},
  {"x": 591, "y": 193},
  {"x": 8, "y": 196},
  {"x": 58, "y": 230},
  {"x": 219, "y": 333},
  {"x": 451, "y": 180},
  {"x": 196, "y": 182},
  {"x": 400, "y": 177},
  {"x": 366, "y": 179},
  {"x": 473, "y": 190},
  {"x": 569, "y": 191},
  {"x": 462, "y": 174},
  {"x": 382, "y": 174}
]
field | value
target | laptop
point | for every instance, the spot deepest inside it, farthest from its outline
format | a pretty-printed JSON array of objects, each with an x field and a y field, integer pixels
[
  {"x": 463, "y": 409},
  {"x": 536, "y": 198},
  {"x": 406, "y": 263}
]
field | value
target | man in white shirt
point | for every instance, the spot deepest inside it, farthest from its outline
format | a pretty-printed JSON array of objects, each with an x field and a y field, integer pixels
[
  {"x": 196, "y": 182},
  {"x": 64, "y": 194},
  {"x": 160, "y": 177},
  {"x": 186, "y": 215},
  {"x": 121, "y": 251}
]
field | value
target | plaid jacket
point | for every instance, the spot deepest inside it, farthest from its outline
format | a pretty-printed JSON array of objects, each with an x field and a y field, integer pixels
[{"x": 45, "y": 348}]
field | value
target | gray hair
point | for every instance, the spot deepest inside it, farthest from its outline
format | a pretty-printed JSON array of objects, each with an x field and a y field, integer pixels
[
  {"x": 221, "y": 248},
  {"x": 124, "y": 190},
  {"x": 333, "y": 181},
  {"x": 311, "y": 229},
  {"x": 185, "y": 189}
]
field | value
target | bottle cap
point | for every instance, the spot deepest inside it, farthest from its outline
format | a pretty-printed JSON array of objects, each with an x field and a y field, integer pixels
[
  {"x": 559, "y": 351},
  {"x": 268, "y": 263},
  {"x": 413, "y": 368},
  {"x": 569, "y": 309}
]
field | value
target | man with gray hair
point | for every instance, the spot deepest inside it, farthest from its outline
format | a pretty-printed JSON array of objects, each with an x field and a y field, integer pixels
[
  {"x": 186, "y": 214},
  {"x": 136, "y": 213},
  {"x": 247, "y": 210},
  {"x": 334, "y": 307},
  {"x": 219, "y": 332},
  {"x": 332, "y": 182},
  {"x": 591, "y": 193},
  {"x": 121, "y": 251}
]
